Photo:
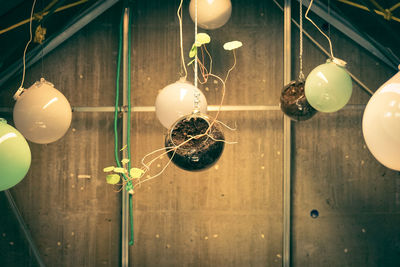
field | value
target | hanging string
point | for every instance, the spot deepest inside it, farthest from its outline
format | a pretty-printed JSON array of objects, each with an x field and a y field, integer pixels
[
  {"x": 301, "y": 74},
  {"x": 196, "y": 94},
  {"x": 41, "y": 50},
  {"x": 195, "y": 40},
  {"x": 26, "y": 47},
  {"x": 329, "y": 14},
  {"x": 329, "y": 40},
  {"x": 179, "y": 14}
]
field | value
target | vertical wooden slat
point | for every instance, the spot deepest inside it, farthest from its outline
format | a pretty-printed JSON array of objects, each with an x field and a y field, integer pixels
[
  {"x": 287, "y": 138},
  {"x": 125, "y": 194}
]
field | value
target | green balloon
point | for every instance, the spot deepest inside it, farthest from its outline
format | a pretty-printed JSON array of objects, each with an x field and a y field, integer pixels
[
  {"x": 328, "y": 87},
  {"x": 15, "y": 156}
]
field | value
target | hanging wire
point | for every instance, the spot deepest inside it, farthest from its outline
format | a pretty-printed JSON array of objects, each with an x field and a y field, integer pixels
[
  {"x": 363, "y": 86},
  {"x": 301, "y": 74},
  {"x": 329, "y": 14},
  {"x": 196, "y": 94},
  {"x": 326, "y": 36},
  {"x": 26, "y": 47},
  {"x": 179, "y": 14},
  {"x": 195, "y": 41}
]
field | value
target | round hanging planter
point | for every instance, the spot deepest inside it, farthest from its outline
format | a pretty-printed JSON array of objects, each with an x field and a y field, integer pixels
[
  {"x": 197, "y": 154},
  {"x": 294, "y": 103}
]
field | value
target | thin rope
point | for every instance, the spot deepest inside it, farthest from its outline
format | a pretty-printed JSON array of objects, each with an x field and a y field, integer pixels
[
  {"x": 363, "y": 86},
  {"x": 179, "y": 14},
  {"x": 30, "y": 40},
  {"x": 301, "y": 74},
  {"x": 329, "y": 14},
  {"x": 196, "y": 94},
  {"x": 195, "y": 40},
  {"x": 41, "y": 51},
  {"x": 326, "y": 36}
]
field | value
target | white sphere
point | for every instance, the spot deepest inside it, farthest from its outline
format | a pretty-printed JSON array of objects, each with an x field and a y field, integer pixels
[
  {"x": 211, "y": 14},
  {"x": 42, "y": 113},
  {"x": 381, "y": 123},
  {"x": 177, "y": 100}
]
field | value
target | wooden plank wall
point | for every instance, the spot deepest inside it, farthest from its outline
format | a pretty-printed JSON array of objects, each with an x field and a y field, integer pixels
[
  {"x": 231, "y": 214},
  {"x": 73, "y": 216},
  {"x": 334, "y": 173}
]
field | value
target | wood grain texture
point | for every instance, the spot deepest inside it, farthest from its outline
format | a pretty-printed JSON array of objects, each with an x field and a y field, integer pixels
[
  {"x": 334, "y": 173},
  {"x": 357, "y": 198},
  {"x": 74, "y": 216},
  {"x": 72, "y": 213},
  {"x": 14, "y": 249},
  {"x": 229, "y": 215},
  {"x": 257, "y": 78}
]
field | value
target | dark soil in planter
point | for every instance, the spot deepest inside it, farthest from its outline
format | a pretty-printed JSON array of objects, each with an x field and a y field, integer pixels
[
  {"x": 197, "y": 154},
  {"x": 294, "y": 103}
]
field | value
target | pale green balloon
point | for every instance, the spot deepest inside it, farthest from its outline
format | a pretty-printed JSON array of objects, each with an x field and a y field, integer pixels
[
  {"x": 15, "y": 156},
  {"x": 328, "y": 87}
]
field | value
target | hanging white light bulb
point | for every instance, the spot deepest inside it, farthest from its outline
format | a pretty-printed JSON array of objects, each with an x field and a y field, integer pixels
[
  {"x": 212, "y": 14},
  {"x": 42, "y": 113},
  {"x": 381, "y": 123},
  {"x": 176, "y": 100}
]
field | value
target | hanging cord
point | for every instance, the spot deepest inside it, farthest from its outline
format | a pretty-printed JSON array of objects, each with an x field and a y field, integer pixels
[
  {"x": 179, "y": 14},
  {"x": 41, "y": 51},
  {"x": 301, "y": 74},
  {"x": 363, "y": 86},
  {"x": 329, "y": 40},
  {"x": 128, "y": 185},
  {"x": 195, "y": 40},
  {"x": 21, "y": 87},
  {"x": 196, "y": 94}
]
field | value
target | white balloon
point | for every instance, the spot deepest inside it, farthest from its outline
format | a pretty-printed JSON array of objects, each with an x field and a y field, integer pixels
[
  {"x": 381, "y": 123},
  {"x": 42, "y": 113},
  {"x": 177, "y": 100},
  {"x": 211, "y": 14}
]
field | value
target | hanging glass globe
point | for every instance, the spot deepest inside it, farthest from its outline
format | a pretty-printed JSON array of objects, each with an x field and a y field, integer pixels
[
  {"x": 293, "y": 102},
  {"x": 328, "y": 87},
  {"x": 211, "y": 14},
  {"x": 381, "y": 123},
  {"x": 199, "y": 153},
  {"x": 42, "y": 113},
  {"x": 15, "y": 156},
  {"x": 177, "y": 100}
]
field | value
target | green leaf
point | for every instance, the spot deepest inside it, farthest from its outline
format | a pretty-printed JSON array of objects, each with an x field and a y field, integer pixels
[
  {"x": 232, "y": 45},
  {"x": 191, "y": 62},
  {"x": 125, "y": 161},
  {"x": 202, "y": 38},
  {"x": 136, "y": 173},
  {"x": 108, "y": 169},
  {"x": 113, "y": 178},
  {"x": 119, "y": 170},
  {"x": 193, "y": 51}
]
